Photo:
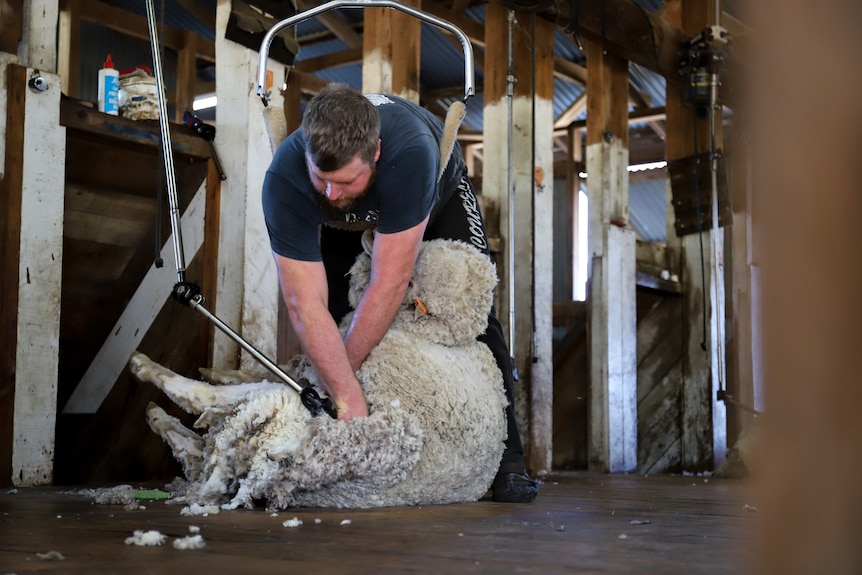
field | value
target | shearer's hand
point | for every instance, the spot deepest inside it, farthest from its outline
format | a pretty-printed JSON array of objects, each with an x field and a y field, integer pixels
[{"x": 352, "y": 406}]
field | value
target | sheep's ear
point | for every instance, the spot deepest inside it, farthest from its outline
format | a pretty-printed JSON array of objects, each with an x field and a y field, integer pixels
[{"x": 457, "y": 283}]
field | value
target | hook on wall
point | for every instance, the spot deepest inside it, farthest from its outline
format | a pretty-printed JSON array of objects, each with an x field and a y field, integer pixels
[{"x": 37, "y": 82}]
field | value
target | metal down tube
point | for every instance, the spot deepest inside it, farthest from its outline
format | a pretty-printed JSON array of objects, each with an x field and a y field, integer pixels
[
  {"x": 718, "y": 313},
  {"x": 510, "y": 179},
  {"x": 196, "y": 303},
  {"x": 189, "y": 293},
  {"x": 309, "y": 397},
  {"x": 170, "y": 174},
  {"x": 469, "y": 89}
]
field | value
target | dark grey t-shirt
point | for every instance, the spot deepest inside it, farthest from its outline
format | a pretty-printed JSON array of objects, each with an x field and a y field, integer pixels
[{"x": 404, "y": 192}]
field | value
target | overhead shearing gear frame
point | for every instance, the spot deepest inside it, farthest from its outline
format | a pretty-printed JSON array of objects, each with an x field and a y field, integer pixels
[{"x": 469, "y": 89}]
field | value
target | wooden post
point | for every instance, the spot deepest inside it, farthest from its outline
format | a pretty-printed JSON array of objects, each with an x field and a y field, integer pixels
[
  {"x": 31, "y": 220},
  {"x": 209, "y": 271},
  {"x": 186, "y": 75},
  {"x": 744, "y": 331},
  {"x": 531, "y": 164},
  {"x": 31, "y": 244},
  {"x": 804, "y": 200},
  {"x": 293, "y": 103},
  {"x": 69, "y": 46},
  {"x": 612, "y": 316},
  {"x": 288, "y": 341},
  {"x": 390, "y": 60},
  {"x": 11, "y": 26},
  {"x": 38, "y": 48},
  {"x": 245, "y": 260},
  {"x": 703, "y": 429},
  {"x": 542, "y": 372}
]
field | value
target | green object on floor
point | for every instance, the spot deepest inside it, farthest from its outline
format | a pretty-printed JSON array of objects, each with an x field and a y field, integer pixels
[{"x": 152, "y": 494}]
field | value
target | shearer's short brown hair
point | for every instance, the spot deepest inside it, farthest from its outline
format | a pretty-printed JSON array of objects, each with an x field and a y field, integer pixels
[{"x": 338, "y": 124}]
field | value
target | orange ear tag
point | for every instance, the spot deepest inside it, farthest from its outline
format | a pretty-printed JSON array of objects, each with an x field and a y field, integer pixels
[{"x": 420, "y": 309}]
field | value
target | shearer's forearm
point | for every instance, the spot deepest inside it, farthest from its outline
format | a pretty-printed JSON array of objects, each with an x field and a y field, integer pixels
[
  {"x": 305, "y": 294},
  {"x": 392, "y": 259},
  {"x": 371, "y": 320},
  {"x": 321, "y": 341}
]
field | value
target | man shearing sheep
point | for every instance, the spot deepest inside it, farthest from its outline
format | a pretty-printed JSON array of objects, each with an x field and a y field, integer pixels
[{"x": 362, "y": 162}]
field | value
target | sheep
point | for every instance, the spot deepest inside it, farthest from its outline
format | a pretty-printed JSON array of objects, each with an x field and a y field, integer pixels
[{"x": 436, "y": 426}]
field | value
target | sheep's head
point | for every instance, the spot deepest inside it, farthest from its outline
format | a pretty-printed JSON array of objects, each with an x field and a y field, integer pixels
[{"x": 450, "y": 293}]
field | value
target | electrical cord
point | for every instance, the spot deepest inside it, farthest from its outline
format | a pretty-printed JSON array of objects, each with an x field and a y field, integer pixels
[{"x": 700, "y": 232}]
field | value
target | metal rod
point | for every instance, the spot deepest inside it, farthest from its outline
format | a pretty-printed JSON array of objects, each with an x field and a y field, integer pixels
[
  {"x": 170, "y": 174},
  {"x": 469, "y": 89},
  {"x": 717, "y": 293},
  {"x": 196, "y": 304},
  {"x": 510, "y": 179}
]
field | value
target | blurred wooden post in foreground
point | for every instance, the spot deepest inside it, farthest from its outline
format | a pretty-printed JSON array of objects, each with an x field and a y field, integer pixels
[{"x": 806, "y": 195}]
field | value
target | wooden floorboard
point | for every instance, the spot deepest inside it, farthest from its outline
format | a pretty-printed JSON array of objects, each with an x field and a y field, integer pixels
[{"x": 581, "y": 523}]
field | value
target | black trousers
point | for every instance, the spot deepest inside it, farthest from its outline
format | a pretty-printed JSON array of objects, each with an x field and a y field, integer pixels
[{"x": 460, "y": 219}]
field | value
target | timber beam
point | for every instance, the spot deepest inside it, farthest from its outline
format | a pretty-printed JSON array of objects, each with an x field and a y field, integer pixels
[
  {"x": 630, "y": 32},
  {"x": 635, "y": 34}
]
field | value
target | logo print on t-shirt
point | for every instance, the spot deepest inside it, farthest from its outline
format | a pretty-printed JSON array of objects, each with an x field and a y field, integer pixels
[{"x": 378, "y": 99}]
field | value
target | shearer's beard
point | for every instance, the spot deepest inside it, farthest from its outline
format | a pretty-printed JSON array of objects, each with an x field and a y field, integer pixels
[{"x": 339, "y": 208}]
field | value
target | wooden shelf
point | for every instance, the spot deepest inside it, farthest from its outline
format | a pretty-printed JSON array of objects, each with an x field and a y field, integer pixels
[{"x": 84, "y": 120}]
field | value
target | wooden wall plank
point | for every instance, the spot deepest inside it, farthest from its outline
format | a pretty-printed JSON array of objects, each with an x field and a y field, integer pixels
[
  {"x": 115, "y": 444},
  {"x": 112, "y": 183},
  {"x": 668, "y": 351},
  {"x": 660, "y": 336},
  {"x": 10, "y": 226},
  {"x": 571, "y": 392}
]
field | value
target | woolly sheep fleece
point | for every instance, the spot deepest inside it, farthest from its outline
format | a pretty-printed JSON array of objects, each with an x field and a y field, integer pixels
[{"x": 436, "y": 426}]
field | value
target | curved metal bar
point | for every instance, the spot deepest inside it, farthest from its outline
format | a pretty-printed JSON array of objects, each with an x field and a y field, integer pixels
[{"x": 469, "y": 87}]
